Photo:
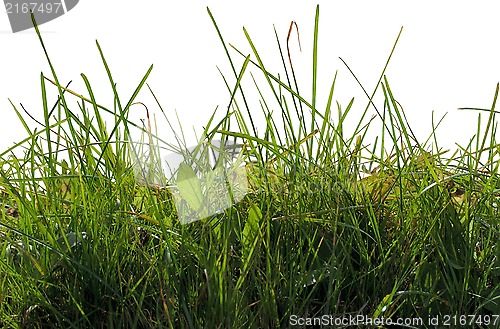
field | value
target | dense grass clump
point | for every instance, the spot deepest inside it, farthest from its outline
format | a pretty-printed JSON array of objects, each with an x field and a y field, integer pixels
[{"x": 331, "y": 225}]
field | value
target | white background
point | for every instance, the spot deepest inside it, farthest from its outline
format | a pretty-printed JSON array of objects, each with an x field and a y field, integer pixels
[{"x": 448, "y": 56}]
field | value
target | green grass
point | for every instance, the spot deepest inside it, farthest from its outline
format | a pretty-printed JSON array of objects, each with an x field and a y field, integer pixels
[{"x": 333, "y": 224}]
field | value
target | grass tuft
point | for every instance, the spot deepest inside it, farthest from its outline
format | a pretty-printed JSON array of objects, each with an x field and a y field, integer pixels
[{"x": 331, "y": 224}]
